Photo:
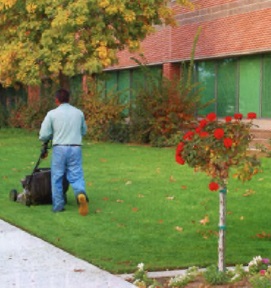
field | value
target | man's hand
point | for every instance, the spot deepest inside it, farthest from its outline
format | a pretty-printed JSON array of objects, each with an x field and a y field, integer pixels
[{"x": 44, "y": 152}]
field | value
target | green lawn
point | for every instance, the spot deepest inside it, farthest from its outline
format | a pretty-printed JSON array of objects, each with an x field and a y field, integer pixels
[{"x": 143, "y": 208}]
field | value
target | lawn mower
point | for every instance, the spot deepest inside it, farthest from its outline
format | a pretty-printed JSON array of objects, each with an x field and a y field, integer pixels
[{"x": 37, "y": 186}]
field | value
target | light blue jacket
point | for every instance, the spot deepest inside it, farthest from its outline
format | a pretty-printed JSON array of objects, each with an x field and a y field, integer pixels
[{"x": 65, "y": 125}]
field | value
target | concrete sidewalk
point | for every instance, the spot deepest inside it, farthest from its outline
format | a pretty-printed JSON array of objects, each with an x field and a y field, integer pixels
[{"x": 27, "y": 261}]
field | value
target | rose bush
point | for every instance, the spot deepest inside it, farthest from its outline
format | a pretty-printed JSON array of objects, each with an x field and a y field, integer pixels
[{"x": 214, "y": 146}]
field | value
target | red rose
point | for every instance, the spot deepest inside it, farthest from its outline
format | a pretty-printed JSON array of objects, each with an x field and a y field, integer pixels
[
  {"x": 178, "y": 156},
  {"x": 198, "y": 129},
  {"x": 202, "y": 123},
  {"x": 227, "y": 142},
  {"x": 228, "y": 118},
  {"x": 219, "y": 133},
  {"x": 179, "y": 148},
  {"x": 188, "y": 135},
  {"x": 213, "y": 186},
  {"x": 179, "y": 159},
  {"x": 203, "y": 134},
  {"x": 251, "y": 115},
  {"x": 238, "y": 116},
  {"x": 211, "y": 116}
]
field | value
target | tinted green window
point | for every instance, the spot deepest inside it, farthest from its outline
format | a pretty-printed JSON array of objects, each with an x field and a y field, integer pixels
[
  {"x": 10, "y": 97},
  {"x": 138, "y": 81},
  {"x": 124, "y": 85},
  {"x": 226, "y": 87},
  {"x": 101, "y": 84},
  {"x": 249, "y": 85},
  {"x": 156, "y": 76},
  {"x": 137, "y": 78},
  {"x": 266, "y": 87},
  {"x": 76, "y": 88},
  {"x": 156, "y": 72},
  {"x": 124, "y": 89},
  {"x": 111, "y": 82},
  {"x": 206, "y": 76}
]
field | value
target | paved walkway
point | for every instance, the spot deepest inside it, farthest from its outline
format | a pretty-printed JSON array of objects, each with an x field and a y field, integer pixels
[{"x": 29, "y": 262}]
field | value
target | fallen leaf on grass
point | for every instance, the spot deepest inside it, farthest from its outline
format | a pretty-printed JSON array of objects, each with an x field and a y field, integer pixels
[
  {"x": 128, "y": 183},
  {"x": 260, "y": 179},
  {"x": 179, "y": 229},
  {"x": 205, "y": 220},
  {"x": 89, "y": 184},
  {"x": 242, "y": 218},
  {"x": 98, "y": 211},
  {"x": 184, "y": 187},
  {"x": 263, "y": 235},
  {"x": 140, "y": 196},
  {"x": 170, "y": 198},
  {"x": 135, "y": 209},
  {"x": 160, "y": 221},
  {"x": 172, "y": 179},
  {"x": 207, "y": 234},
  {"x": 249, "y": 192},
  {"x": 105, "y": 198},
  {"x": 120, "y": 201},
  {"x": 103, "y": 160}
]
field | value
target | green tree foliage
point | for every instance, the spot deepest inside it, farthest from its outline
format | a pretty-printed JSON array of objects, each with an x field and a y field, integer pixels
[{"x": 48, "y": 38}]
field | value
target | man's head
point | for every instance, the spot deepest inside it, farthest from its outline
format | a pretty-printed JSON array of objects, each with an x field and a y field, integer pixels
[{"x": 62, "y": 96}]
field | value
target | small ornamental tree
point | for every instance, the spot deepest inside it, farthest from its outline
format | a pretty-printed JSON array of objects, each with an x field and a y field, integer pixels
[{"x": 214, "y": 147}]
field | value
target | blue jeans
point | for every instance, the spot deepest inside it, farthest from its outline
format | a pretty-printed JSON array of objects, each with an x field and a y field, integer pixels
[{"x": 66, "y": 160}]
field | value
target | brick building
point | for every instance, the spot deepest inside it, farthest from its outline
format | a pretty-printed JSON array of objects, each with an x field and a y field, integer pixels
[{"x": 232, "y": 57}]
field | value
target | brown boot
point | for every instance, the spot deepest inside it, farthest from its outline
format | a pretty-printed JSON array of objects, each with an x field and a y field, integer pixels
[{"x": 83, "y": 204}]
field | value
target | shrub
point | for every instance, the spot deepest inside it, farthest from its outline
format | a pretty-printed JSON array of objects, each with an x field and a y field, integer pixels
[
  {"x": 182, "y": 280},
  {"x": 30, "y": 116},
  {"x": 258, "y": 281},
  {"x": 164, "y": 106},
  {"x": 215, "y": 277},
  {"x": 162, "y": 109},
  {"x": 103, "y": 115},
  {"x": 3, "y": 116}
]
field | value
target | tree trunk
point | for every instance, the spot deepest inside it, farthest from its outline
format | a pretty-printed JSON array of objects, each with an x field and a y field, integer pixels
[
  {"x": 64, "y": 81},
  {"x": 222, "y": 228}
]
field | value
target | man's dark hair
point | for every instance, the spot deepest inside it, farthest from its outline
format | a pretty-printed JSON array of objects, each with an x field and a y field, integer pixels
[{"x": 62, "y": 95}]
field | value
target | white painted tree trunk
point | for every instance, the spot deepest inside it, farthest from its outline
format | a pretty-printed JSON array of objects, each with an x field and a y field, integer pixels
[{"x": 222, "y": 227}]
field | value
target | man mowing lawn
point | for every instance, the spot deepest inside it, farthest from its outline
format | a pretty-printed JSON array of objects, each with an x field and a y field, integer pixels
[{"x": 65, "y": 125}]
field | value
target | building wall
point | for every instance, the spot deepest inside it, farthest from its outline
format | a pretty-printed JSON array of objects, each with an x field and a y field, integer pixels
[{"x": 228, "y": 27}]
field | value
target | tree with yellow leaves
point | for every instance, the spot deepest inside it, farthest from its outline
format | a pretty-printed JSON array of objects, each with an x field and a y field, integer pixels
[{"x": 48, "y": 38}]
